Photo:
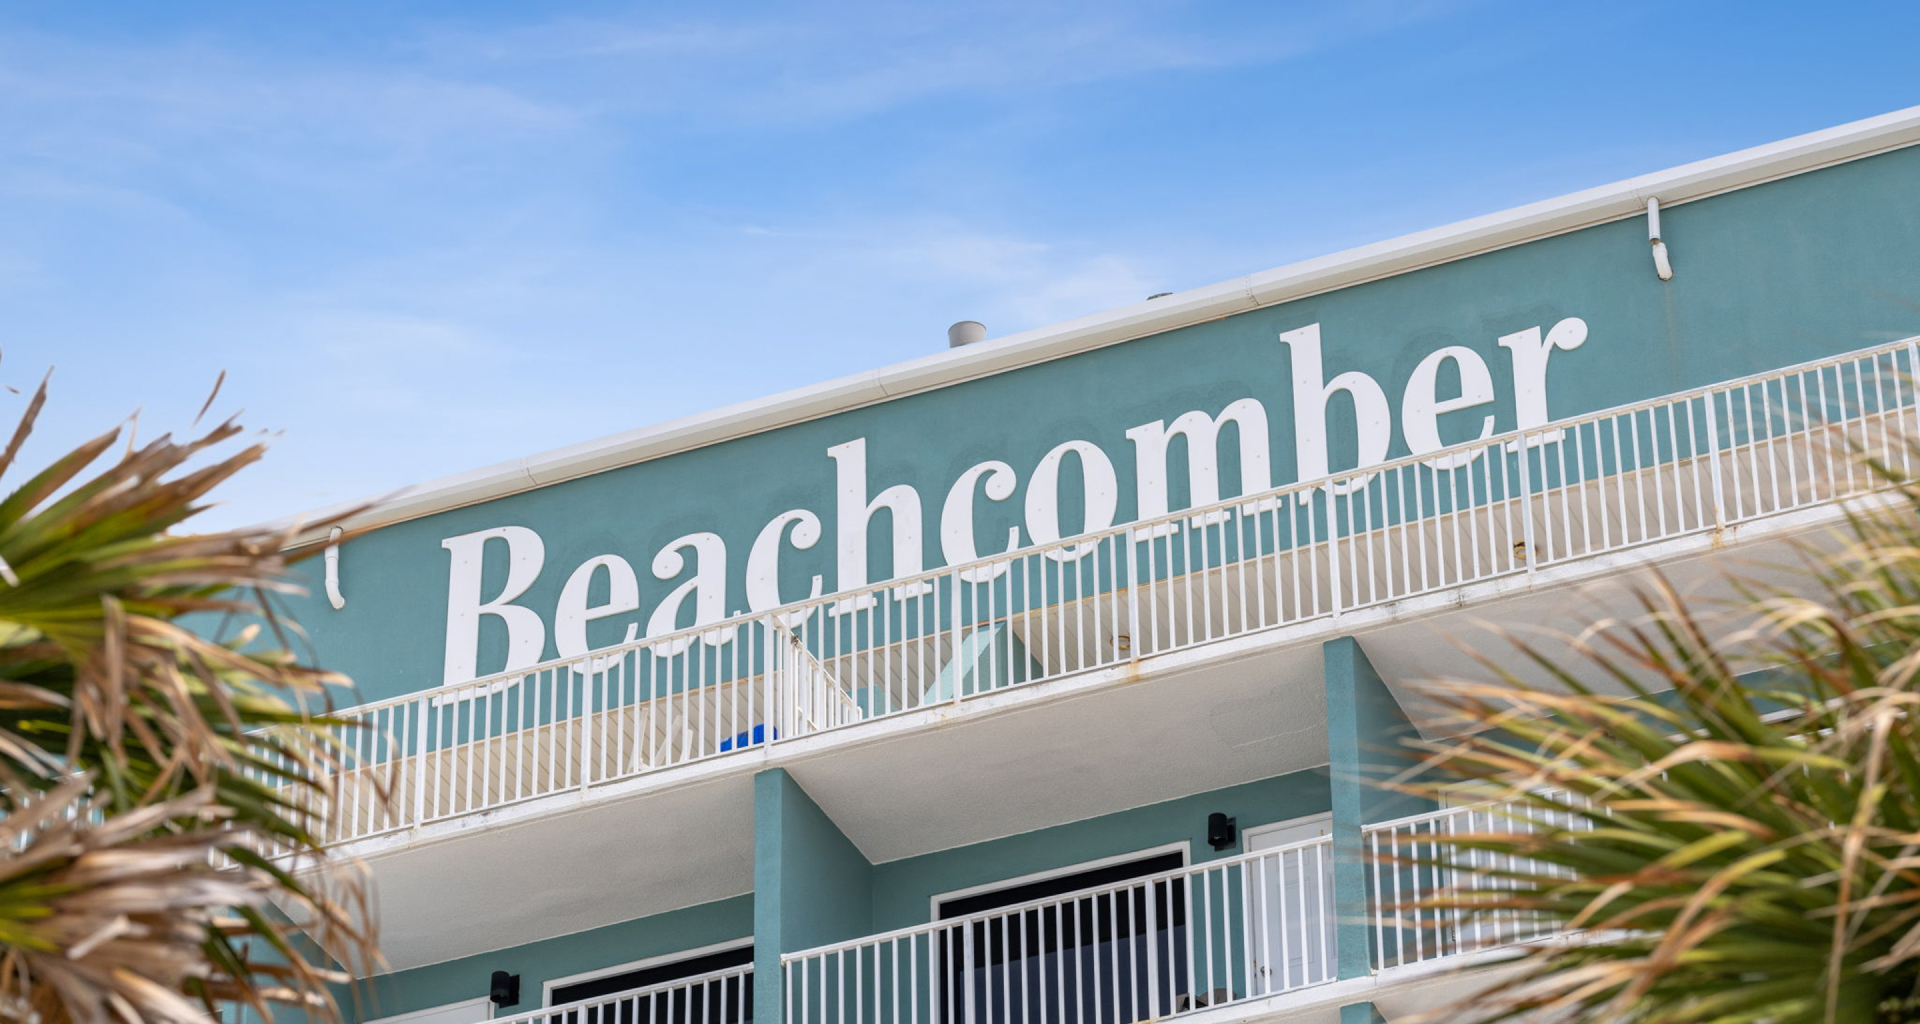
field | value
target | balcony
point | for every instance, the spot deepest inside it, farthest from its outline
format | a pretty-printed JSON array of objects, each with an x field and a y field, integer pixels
[
  {"x": 1404, "y": 858},
  {"x": 1225, "y": 932},
  {"x": 1691, "y": 465},
  {"x": 1255, "y": 932}
]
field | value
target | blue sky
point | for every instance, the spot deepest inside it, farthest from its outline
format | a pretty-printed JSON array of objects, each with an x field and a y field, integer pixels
[{"x": 426, "y": 237}]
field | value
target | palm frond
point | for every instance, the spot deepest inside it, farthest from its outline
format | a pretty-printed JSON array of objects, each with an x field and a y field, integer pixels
[
  {"x": 162, "y": 790},
  {"x": 1735, "y": 834}
]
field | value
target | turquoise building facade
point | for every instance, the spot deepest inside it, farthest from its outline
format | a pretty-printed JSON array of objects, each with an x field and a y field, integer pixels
[{"x": 856, "y": 704}]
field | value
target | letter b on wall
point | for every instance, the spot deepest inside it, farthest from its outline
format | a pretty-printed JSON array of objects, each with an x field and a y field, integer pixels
[{"x": 526, "y": 633}]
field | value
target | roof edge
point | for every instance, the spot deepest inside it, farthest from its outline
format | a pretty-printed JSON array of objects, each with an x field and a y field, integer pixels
[{"x": 1621, "y": 199}]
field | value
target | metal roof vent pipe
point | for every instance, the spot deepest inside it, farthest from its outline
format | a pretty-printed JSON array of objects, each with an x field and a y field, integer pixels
[{"x": 966, "y": 332}]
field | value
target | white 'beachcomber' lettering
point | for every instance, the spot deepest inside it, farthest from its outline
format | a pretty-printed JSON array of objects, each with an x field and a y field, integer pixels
[{"x": 1313, "y": 418}]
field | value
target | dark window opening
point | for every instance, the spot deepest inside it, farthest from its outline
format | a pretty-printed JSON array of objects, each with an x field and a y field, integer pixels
[
  {"x": 724, "y": 1001},
  {"x": 1110, "y": 957}
]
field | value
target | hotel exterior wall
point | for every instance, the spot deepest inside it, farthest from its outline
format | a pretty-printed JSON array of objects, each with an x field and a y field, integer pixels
[
  {"x": 903, "y": 889},
  {"x": 1767, "y": 275},
  {"x": 540, "y": 962}
]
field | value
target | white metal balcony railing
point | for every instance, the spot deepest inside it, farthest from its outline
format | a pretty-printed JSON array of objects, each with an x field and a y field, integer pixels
[
  {"x": 1407, "y": 862},
  {"x": 1506, "y": 505},
  {"x": 718, "y": 997},
  {"x": 1240, "y": 928}
]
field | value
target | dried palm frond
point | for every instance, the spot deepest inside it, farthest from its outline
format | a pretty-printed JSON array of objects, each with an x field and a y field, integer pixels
[
  {"x": 108, "y": 917},
  {"x": 149, "y": 888},
  {"x": 1735, "y": 834}
]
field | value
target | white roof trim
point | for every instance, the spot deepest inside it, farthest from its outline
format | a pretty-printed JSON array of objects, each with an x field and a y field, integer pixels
[{"x": 1309, "y": 277}]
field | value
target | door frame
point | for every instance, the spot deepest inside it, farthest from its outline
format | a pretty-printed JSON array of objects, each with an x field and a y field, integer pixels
[
  {"x": 940, "y": 977},
  {"x": 1183, "y": 848},
  {"x": 1248, "y": 835},
  {"x": 1247, "y": 838},
  {"x": 547, "y": 987}
]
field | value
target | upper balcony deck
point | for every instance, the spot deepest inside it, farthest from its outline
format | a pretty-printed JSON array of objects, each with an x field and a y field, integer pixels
[{"x": 1109, "y": 606}]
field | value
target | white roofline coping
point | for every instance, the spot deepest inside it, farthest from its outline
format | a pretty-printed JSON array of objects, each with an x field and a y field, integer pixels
[{"x": 1321, "y": 274}]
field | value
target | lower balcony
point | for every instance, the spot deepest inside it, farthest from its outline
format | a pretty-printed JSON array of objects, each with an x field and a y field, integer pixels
[
  {"x": 1229, "y": 931},
  {"x": 1259, "y": 932},
  {"x": 1402, "y": 857}
]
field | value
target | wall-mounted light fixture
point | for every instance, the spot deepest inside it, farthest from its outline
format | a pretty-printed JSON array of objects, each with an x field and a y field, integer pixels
[
  {"x": 1222, "y": 831},
  {"x": 504, "y": 990}
]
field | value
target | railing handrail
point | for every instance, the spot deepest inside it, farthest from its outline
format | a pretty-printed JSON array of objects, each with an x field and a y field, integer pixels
[
  {"x": 1476, "y": 807},
  {"x": 1139, "y": 526},
  {"x": 1426, "y": 816},
  {"x": 1218, "y": 864},
  {"x": 576, "y": 1006}
]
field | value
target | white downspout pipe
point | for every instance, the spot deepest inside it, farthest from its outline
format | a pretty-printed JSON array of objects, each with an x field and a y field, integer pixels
[
  {"x": 1662, "y": 265},
  {"x": 332, "y": 558}
]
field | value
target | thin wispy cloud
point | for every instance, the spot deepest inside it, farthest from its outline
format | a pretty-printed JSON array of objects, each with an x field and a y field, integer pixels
[
  {"x": 423, "y": 239},
  {"x": 843, "y": 61},
  {"x": 1016, "y": 280},
  {"x": 137, "y": 107}
]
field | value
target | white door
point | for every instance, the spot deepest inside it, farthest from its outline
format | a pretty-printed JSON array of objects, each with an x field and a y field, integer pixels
[{"x": 1289, "y": 906}]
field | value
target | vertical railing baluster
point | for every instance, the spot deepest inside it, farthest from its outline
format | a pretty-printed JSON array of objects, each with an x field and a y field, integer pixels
[
  {"x": 1333, "y": 550},
  {"x": 1528, "y": 550},
  {"x": 424, "y": 708},
  {"x": 953, "y": 618},
  {"x": 585, "y": 726},
  {"x": 1713, "y": 463},
  {"x": 1134, "y": 640}
]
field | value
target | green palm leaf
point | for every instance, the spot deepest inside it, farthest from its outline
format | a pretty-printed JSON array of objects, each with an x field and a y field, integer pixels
[
  {"x": 1733, "y": 833},
  {"x": 148, "y": 771}
]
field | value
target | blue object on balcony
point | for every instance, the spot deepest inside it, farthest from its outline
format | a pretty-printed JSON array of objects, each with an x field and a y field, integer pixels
[{"x": 750, "y": 738}]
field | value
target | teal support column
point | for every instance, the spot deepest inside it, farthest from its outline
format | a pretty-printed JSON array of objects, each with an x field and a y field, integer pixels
[
  {"x": 811, "y": 885},
  {"x": 1366, "y": 728},
  {"x": 1361, "y": 1013}
]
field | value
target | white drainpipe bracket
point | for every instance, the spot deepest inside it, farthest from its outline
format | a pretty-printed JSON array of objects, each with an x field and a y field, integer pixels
[
  {"x": 332, "y": 559},
  {"x": 1662, "y": 265}
]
